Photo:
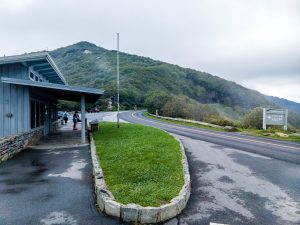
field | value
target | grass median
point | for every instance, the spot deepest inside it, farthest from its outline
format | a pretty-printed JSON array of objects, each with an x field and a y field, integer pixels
[{"x": 141, "y": 164}]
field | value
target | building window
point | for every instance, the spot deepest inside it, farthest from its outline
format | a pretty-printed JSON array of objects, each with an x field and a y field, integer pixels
[
  {"x": 31, "y": 76},
  {"x": 32, "y": 114},
  {"x": 37, "y": 114},
  {"x": 42, "y": 110},
  {"x": 35, "y": 77}
]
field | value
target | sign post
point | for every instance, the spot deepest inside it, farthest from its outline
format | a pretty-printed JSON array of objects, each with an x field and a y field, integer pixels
[{"x": 275, "y": 117}]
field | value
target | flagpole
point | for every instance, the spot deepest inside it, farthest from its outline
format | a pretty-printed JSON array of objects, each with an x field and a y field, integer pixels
[{"x": 118, "y": 81}]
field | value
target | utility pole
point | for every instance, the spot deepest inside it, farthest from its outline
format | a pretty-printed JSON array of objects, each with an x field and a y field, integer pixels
[{"x": 118, "y": 81}]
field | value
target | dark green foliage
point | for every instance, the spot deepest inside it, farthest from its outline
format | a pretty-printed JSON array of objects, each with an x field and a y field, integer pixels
[
  {"x": 156, "y": 101},
  {"x": 141, "y": 76},
  {"x": 68, "y": 106}
]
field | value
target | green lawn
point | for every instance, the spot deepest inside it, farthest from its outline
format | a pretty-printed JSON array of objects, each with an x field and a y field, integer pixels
[{"x": 141, "y": 164}]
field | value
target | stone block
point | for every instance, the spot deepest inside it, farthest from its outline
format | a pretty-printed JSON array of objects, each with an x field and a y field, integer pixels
[
  {"x": 4, "y": 151},
  {"x": 181, "y": 201},
  {"x": 100, "y": 184},
  {"x": 149, "y": 214},
  {"x": 101, "y": 198},
  {"x": 112, "y": 208},
  {"x": 5, "y": 157},
  {"x": 187, "y": 178},
  {"x": 168, "y": 211},
  {"x": 130, "y": 212}
]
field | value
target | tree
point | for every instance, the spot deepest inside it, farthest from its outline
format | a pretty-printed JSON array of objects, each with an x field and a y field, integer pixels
[{"x": 156, "y": 100}]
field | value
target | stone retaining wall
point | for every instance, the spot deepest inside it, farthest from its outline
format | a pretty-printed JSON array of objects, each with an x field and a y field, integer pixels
[
  {"x": 12, "y": 145},
  {"x": 133, "y": 212}
]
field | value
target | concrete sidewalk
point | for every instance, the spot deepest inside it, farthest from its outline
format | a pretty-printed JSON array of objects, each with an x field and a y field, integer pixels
[{"x": 49, "y": 185}]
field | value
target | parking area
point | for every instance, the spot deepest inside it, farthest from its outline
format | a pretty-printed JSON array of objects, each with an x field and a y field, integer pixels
[{"x": 50, "y": 184}]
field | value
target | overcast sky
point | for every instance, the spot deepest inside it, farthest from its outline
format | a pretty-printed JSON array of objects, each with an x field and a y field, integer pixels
[{"x": 253, "y": 42}]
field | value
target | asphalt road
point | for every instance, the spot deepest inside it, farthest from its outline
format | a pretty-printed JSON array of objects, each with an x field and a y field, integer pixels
[{"x": 236, "y": 179}]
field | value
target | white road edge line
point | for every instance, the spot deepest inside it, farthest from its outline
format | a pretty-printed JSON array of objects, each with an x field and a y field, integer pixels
[
  {"x": 217, "y": 223},
  {"x": 216, "y": 134}
]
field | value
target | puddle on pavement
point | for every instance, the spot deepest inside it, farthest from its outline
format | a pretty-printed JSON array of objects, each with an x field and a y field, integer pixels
[
  {"x": 59, "y": 218},
  {"x": 37, "y": 168},
  {"x": 75, "y": 171},
  {"x": 221, "y": 147},
  {"x": 225, "y": 179},
  {"x": 14, "y": 190}
]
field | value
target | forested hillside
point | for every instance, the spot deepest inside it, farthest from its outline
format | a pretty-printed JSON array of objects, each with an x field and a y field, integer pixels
[{"x": 86, "y": 64}]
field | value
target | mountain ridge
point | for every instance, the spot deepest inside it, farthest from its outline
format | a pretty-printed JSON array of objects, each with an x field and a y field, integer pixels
[
  {"x": 87, "y": 64},
  {"x": 285, "y": 103}
]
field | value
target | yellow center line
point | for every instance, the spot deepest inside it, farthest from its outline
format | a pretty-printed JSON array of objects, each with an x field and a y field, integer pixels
[{"x": 217, "y": 134}]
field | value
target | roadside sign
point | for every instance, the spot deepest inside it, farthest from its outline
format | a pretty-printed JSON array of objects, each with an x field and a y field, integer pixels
[{"x": 275, "y": 117}]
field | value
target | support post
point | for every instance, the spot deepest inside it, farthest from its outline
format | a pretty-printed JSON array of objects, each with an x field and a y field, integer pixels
[
  {"x": 264, "y": 118},
  {"x": 82, "y": 119},
  {"x": 285, "y": 127}
]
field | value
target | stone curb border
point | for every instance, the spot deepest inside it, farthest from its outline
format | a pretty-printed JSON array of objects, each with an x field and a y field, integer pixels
[{"x": 133, "y": 212}]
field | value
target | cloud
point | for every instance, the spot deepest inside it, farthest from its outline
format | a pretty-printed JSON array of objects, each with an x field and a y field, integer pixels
[
  {"x": 229, "y": 38},
  {"x": 15, "y": 5},
  {"x": 283, "y": 86}
]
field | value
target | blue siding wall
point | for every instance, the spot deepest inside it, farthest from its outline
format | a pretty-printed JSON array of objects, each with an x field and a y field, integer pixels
[{"x": 14, "y": 99}]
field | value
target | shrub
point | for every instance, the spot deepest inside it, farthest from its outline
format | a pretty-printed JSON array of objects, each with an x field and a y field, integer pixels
[
  {"x": 183, "y": 107},
  {"x": 218, "y": 120},
  {"x": 254, "y": 119},
  {"x": 177, "y": 107}
]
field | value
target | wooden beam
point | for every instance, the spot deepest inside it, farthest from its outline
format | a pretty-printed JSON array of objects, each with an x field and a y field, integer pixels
[
  {"x": 44, "y": 71},
  {"x": 41, "y": 66}
]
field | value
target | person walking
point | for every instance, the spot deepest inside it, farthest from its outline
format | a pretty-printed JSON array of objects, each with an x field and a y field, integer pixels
[
  {"x": 66, "y": 117},
  {"x": 75, "y": 120}
]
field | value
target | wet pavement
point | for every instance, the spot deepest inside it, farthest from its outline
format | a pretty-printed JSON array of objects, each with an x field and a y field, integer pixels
[
  {"x": 234, "y": 187},
  {"x": 54, "y": 186},
  {"x": 49, "y": 187},
  {"x": 236, "y": 180}
]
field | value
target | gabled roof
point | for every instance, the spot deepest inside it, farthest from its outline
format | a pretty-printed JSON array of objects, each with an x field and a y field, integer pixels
[{"x": 41, "y": 62}]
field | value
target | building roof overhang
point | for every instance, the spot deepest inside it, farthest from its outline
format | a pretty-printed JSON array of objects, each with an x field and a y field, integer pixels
[
  {"x": 41, "y": 62},
  {"x": 59, "y": 91}
]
